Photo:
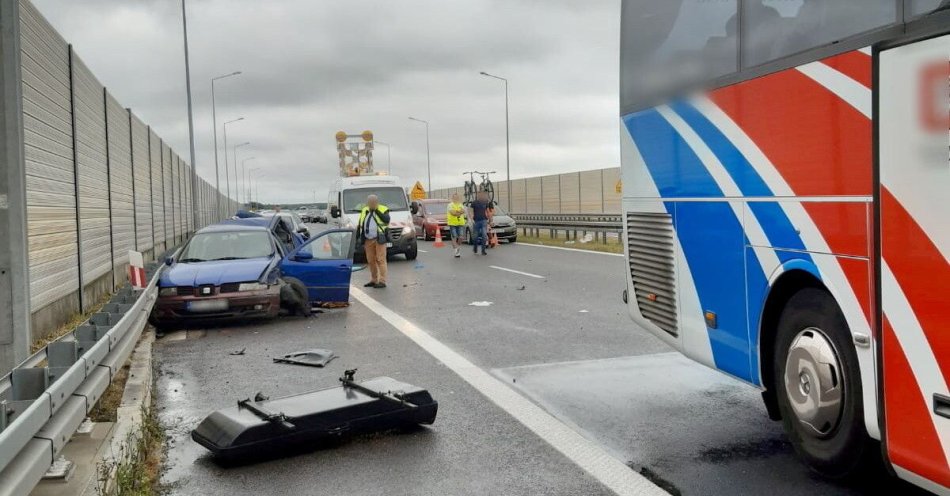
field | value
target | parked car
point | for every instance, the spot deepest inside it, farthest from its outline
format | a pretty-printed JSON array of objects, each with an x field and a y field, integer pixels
[
  {"x": 320, "y": 216},
  {"x": 236, "y": 271},
  {"x": 430, "y": 216},
  {"x": 304, "y": 214},
  {"x": 293, "y": 221},
  {"x": 503, "y": 225}
]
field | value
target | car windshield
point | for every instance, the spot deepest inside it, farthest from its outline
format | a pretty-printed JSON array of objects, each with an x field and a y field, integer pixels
[
  {"x": 238, "y": 245},
  {"x": 437, "y": 208},
  {"x": 392, "y": 197}
]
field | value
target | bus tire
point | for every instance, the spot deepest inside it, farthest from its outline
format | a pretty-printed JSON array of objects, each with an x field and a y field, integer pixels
[{"x": 815, "y": 360}]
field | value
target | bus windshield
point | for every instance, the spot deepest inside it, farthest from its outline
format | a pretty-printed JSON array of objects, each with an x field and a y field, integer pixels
[{"x": 393, "y": 197}]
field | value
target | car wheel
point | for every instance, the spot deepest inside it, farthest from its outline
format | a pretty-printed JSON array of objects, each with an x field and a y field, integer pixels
[
  {"x": 818, "y": 385},
  {"x": 412, "y": 252}
]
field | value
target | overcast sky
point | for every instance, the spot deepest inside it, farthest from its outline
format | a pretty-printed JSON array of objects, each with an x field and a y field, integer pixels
[{"x": 314, "y": 67}]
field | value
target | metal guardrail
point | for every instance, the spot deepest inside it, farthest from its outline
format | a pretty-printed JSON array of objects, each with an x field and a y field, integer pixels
[
  {"x": 572, "y": 224},
  {"x": 45, "y": 399}
]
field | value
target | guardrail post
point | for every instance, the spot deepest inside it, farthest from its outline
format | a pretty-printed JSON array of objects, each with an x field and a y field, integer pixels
[{"x": 14, "y": 265}]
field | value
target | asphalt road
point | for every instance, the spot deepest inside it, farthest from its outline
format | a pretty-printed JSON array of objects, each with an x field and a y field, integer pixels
[{"x": 555, "y": 330}]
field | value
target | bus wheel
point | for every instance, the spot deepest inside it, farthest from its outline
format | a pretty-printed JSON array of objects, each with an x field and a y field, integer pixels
[{"x": 818, "y": 385}]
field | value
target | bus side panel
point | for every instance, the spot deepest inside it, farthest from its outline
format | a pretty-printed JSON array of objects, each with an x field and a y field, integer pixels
[{"x": 915, "y": 249}]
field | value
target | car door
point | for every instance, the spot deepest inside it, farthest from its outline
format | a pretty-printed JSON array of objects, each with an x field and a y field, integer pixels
[{"x": 323, "y": 264}]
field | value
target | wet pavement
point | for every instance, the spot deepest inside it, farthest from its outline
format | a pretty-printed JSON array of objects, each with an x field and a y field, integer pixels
[{"x": 559, "y": 336}]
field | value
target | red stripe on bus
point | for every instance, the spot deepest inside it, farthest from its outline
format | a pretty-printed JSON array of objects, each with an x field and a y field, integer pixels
[
  {"x": 856, "y": 65},
  {"x": 922, "y": 273},
  {"x": 912, "y": 441},
  {"x": 819, "y": 144}
]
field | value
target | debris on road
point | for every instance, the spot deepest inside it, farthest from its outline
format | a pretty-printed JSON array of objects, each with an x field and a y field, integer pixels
[
  {"x": 313, "y": 358},
  {"x": 521, "y": 288},
  {"x": 237, "y": 353},
  {"x": 261, "y": 428},
  {"x": 587, "y": 238},
  {"x": 480, "y": 304}
]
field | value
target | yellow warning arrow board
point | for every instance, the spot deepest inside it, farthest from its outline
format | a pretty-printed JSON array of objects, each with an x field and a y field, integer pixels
[
  {"x": 418, "y": 192},
  {"x": 619, "y": 186}
]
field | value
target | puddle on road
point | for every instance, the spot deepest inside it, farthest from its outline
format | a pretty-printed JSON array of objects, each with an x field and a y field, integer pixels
[{"x": 754, "y": 449}]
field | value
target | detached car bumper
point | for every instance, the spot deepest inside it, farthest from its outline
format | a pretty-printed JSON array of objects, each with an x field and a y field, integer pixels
[{"x": 171, "y": 310}]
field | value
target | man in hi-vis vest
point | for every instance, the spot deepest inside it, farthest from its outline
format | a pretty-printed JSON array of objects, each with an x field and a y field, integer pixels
[{"x": 373, "y": 231}]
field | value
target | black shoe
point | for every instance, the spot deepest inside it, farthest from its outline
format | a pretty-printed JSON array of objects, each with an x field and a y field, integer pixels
[
  {"x": 380, "y": 285},
  {"x": 475, "y": 249},
  {"x": 484, "y": 252},
  {"x": 370, "y": 284}
]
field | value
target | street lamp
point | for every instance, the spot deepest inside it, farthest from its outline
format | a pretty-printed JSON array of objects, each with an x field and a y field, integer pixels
[
  {"x": 428, "y": 163},
  {"x": 191, "y": 120},
  {"x": 227, "y": 177},
  {"x": 257, "y": 188},
  {"x": 237, "y": 178},
  {"x": 244, "y": 177},
  {"x": 214, "y": 121},
  {"x": 389, "y": 156},
  {"x": 507, "y": 138},
  {"x": 250, "y": 176}
]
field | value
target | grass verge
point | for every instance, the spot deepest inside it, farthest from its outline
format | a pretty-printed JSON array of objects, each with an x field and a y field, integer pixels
[
  {"x": 72, "y": 323},
  {"x": 108, "y": 404},
  {"x": 612, "y": 247},
  {"x": 139, "y": 474}
]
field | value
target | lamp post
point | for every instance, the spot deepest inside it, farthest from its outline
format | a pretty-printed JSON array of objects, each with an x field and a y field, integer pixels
[
  {"x": 250, "y": 176},
  {"x": 507, "y": 138},
  {"x": 191, "y": 120},
  {"x": 389, "y": 156},
  {"x": 244, "y": 177},
  {"x": 257, "y": 188},
  {"x": 227, "y": 177},
  {"x": 214, "y": 121},
  {"x": 428, "y": 163},
  {"x": 237, "y": 178}
]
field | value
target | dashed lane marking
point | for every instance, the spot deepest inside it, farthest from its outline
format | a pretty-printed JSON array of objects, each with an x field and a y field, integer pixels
[{"x": 517, "y": 272}]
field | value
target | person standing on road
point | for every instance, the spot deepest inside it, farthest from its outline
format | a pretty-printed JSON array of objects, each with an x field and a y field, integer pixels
[
  {"x": 372, "y": 230},
  {"x": 455, "y": 217},
  {"x": 481, "y": 211}
]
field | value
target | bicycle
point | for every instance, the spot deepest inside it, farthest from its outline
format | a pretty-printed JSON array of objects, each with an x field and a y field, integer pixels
[{"x": 472, "y": 189}]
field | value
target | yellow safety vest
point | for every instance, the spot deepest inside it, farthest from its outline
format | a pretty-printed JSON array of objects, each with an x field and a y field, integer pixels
[
  {"x": 455, "y": 220},
  {"x": 382, "y": 226}
]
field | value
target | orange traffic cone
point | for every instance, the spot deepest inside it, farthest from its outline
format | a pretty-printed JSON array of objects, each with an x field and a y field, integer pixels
[{"x": 438, "y": 238}]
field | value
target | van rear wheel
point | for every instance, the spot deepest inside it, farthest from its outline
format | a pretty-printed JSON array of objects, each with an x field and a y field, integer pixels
[{"x": 818, "y": 385}]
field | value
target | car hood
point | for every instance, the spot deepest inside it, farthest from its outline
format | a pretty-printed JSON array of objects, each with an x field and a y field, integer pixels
[
  {"x": 502, "y": 219},
  {"x": 216, "y": 273}
]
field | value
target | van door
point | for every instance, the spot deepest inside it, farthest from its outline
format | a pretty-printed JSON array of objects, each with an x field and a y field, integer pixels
[
  {"x": 914, "y": 277},
  {"x": 323, "y": 264}
]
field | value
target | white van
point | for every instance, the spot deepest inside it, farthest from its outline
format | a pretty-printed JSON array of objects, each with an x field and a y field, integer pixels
[{"x": 348, "y": 196}]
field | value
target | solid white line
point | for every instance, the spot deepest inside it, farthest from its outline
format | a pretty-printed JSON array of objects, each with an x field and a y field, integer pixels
[
  {"x": 423, "y": 251},
  {"x": 517, "y": 272},
  {"x": 607, "y": 470},
  {"x": 592, "y": 252}
]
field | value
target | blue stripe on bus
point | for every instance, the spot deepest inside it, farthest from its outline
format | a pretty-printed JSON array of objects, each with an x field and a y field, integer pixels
[
  {"x": 775, "y": 223},
  {"x": 712, "y": 237}
]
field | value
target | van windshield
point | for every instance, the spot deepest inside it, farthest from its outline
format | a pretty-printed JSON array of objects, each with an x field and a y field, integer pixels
[{"x": 392, "y": 197}]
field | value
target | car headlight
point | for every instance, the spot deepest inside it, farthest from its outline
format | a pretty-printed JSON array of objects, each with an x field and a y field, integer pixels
[
  {"x": 407, "y": 230},
  {"x": 251, "y": 286},
  {"x": 171, "y": 291}
]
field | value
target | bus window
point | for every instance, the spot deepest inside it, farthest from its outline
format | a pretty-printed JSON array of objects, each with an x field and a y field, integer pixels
[
  {"x": 672, "y": 44},
  {"x": 916, "y": 8},
  {"x": 773, "y": 29}
]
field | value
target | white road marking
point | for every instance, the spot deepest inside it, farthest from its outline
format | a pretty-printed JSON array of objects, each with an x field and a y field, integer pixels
[
  {"x": 517, "y": 272},
  {"x": 590, "y": 456},
  {"x": 592, "y": 252},
  {"x": 423, "y": 251}
]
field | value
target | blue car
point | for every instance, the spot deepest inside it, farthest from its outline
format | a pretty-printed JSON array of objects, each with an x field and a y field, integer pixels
[{"x": 241, "y": 269}]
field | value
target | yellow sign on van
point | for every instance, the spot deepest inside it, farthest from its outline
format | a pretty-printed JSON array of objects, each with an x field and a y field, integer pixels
[
  {"x": 619, "y": 186},
  {"x": 418, "y": 192}
]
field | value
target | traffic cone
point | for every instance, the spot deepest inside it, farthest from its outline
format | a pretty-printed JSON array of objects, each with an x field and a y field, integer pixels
[{"x": 438, "y": 238}]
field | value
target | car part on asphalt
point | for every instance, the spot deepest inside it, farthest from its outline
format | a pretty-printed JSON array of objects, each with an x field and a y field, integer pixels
[
  {"x": 238, "y": 353},
  {"x": 313, "y": 358},
  {"x": 253, "y": 430}
]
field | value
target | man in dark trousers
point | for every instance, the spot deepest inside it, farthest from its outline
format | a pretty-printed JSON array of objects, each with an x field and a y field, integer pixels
[
  {"x": 372, "y": 230},
  {"x": 481, "y": 211}
]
